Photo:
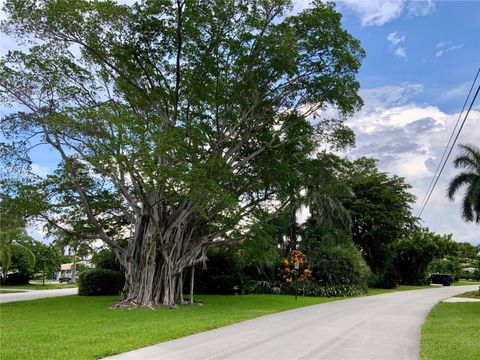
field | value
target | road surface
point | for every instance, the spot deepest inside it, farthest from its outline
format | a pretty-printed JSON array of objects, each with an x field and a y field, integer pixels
[
  {"x": 36, "y": 294},
  {"x": 381, "y": 327}
]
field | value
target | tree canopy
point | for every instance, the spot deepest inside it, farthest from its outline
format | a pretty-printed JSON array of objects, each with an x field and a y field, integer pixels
[{"x": 380, "y": 210}]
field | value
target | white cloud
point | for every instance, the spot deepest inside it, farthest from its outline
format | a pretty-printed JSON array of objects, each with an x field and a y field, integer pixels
[
  {"x": 409, "y": 140},
  {"x": 443, "y": 44},
  {"x": 456, "y": 92},
  {"x": 449, "y": 49},
  {"x": 420, "y": 7},
  {"x": 376, "y": 12},
  {"x": 401, "y": 52},
  {"x": 395, "y": 38},
  {"x": 380, "y": 12},
  {"x": 390, "y": 95},
  {"x": 41, "y": 170}
]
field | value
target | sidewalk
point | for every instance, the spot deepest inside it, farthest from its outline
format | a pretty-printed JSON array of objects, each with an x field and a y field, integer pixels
[{"x": 35, "y": 294}]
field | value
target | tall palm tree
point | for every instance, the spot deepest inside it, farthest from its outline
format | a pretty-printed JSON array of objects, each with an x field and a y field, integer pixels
[{"x": 469, "y": 160}]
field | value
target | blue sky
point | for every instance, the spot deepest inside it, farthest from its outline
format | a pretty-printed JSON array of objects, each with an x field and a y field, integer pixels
[{"x": 421, "y": 59}]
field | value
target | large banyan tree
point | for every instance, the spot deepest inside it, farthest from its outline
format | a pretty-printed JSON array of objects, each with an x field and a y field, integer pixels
[{"x": 178, "y": 124}]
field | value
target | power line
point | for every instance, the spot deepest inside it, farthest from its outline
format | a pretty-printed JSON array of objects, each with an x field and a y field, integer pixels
[
  {"x": 448, "y": 143},
  {"x": 451, "y": 149}
]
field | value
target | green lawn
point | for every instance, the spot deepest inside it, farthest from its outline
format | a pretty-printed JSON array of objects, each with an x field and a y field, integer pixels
[
  {"x": 80, "y": 327},
  {"x": 6, "y": 291},
  {"x": 466, "y": 282},
  {"x": 378, "y": 291},
  {"x": 38, "y": 286},
  {"x": 452, "y": 331},
  {"x": 471, "y": 295}
]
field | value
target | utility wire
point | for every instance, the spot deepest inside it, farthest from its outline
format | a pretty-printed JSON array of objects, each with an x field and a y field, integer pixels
[
  {"x": 450, "y": 151},
  {"x": 448, "y": 143}
]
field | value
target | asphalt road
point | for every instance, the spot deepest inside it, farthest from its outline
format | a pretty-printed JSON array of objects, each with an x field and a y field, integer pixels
[
  {"x": 36, "y": 294},
  {"x": 382, "y": 327}
]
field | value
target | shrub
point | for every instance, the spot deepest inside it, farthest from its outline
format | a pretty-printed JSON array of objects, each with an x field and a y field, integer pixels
[
  {"x": 100, "y": 282},
  {"x": 310, "y": 288},
  {"x": 17, "y": 279},
  {"x": 476, "y": 275},
  {"x": 341, "y": 264},
  {"x": 221, "y": 276}
]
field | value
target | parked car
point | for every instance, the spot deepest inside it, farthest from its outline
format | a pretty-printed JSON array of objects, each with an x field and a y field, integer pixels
[
  {"x": 64, "y": 279},
  {"x": 442, "y": 279}
]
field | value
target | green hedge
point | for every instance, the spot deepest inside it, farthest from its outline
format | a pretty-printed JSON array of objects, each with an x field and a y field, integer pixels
[
  {"x": 100, "y": 282},
  {"x": 310, "y": 288}
]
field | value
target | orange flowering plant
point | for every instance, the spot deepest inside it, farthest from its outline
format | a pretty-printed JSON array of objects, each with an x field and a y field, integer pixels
[{"x": 295, "y": 267}]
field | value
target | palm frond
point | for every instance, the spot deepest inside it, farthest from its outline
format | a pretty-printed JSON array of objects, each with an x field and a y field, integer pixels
[
  {"x": 5, "y": 255},
  {"x": 26, "y": 253},
  {"x": 462, "y": 179},
  {"x": 472, "y": 151}
]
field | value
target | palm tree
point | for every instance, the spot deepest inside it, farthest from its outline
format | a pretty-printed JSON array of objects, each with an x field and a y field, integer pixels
[{"x": 469, "y": 159}]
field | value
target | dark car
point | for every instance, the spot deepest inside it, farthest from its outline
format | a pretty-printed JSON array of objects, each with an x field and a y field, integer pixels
[
  {"x": 442, "y": 279},
  {"x": 64, "y": 279}
]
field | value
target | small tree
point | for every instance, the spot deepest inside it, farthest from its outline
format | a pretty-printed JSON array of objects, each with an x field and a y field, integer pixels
[{"x": 48, "y": 260}]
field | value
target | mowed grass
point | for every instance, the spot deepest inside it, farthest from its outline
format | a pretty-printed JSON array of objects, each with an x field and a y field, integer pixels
[
  {"x": 81, "y": 327},
  {"x": 471, "y": 295},
  {"x": 466, "y": 282},
  {"x": 378, "y": 291},
  {"x": 452, "y": 331},
  {"x": 38, "y": 286}
]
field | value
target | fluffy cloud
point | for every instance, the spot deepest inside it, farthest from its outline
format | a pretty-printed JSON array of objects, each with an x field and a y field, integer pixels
[
  {"x": 379, "y": 12},
  {"x": 40, "y": 170},
  {"x": 395, "y": 38},
  {"x": 420, "y": 7},
  {"x": 401, "y": 52},
  {"x": 408, "y": 140},
  {"x": 376, "y": 12}
]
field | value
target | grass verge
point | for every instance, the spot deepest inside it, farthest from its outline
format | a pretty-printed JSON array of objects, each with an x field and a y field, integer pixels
[
  {"x": 378, "y": 291},
  {"x": 38, "y": 286},
  {"x": 451, "y": 331},
  {"x": 470, "y": 295},
  {"x": 81, "y": 327},
  {"x": 466, "y": 282},
  {"x": 6, "y": 291}
]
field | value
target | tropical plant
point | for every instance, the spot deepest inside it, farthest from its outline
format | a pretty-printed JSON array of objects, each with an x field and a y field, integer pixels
[{"x": 469, "y": 160}]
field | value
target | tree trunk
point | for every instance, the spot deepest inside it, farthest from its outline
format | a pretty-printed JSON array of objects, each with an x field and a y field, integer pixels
[
  {"x": 192, "y": 282},
  {"x": 74, "y": 267},
  {"x": 154, "y": 262}
]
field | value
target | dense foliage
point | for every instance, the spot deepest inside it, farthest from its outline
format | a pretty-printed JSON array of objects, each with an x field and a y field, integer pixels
[
  {"x": 380, "y": 211},
  {"x": 100, "y": 282}
]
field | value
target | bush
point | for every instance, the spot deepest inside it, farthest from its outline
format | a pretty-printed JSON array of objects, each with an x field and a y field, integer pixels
[
  {"x": 341, "y": 265},
  {"x": 100, "y": 282},
  {"x": 310, "y": 288},
  {"x": 17, "y": 279},
  {"x": 221, "y": 276},
  {"x": 476, "y": 275}
]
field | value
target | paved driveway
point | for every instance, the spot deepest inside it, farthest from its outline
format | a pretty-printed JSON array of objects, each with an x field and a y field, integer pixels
[
  {"x": 36, "y": 294},
  {"x": 381, "y": 327}
]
